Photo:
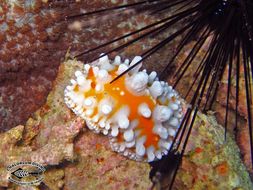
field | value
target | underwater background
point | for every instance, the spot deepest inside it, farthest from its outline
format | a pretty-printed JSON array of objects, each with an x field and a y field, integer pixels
[{"x": 36, "y": 42}]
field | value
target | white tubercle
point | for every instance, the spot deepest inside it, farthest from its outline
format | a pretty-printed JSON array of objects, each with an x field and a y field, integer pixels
[
  {"x": 162, "y": 113},
  {"x": 89, "y": 112},
  {"x": 156, "y": 89},
  {"x": 164, "y": 152},
  {"x": 144, "y": 110},
  {"x": 177, "y": 101},
  {"x": 152, "y": 77},
  {"x": 171, "y": 94},
  {"x": 71, "y": 95},
  {"x": 161, "y": 131},
  {"x": 178, "y": 114},
  {"x": 79, "y": 109},
  {"x": 134, "y": 123},
  {"x": 174, "y": 122},
  {"x": 122, "y": 147},
  {"x": 115, "y": 131},
  {"x": 174, "y": 106},
  {"x": 102, "y": 122},
  {"x": 95, "y": 70},
  {"x": 170, "y": 88},
  {"x": 72, "y": 104},
  {"x": 130, "y": 144},
  {"x": 121, "y": 69},
  {"x": 165, "y": 144},
  {"x": 123, "y": 122},
  {"x": 115, "y": 146},
  {"x": 69, "y": 88},
  {"x": 126, "y": 153},
  {"x": 73, "y": 82},
  {"x": 135, "y": 60},
  {"x": 103, "y": 76},
  {"x": 80, "y": 80},
  {"x": 78, "y": 73},
  {"x": 105, "y": 106},
  {"x": 137, "y": 83},
  {"x": 78, "y": 99},
  {"x": 128, "y": 135},
  {"x": 158, "y": 154},
  {"x": 104, "y": 58},
  {"x": 150, "y": 153},
  {"x": 89, "y": 125},
  {"x": 107, "y": 125},
  {"x": 104, "y": 63},
  {"x": 106, "y": 109},
  {"x": 126, "y": 61},
  {"x": 172, "y": 132},
  {"x": 98, "y": 87},
  {"x": 95, "y": 118},
  {"x": 85, "y": 86},
  {"x": 89, "y": 102},
  {"x": 140, "y": 149},
  {"x": 117, "y": 60},
  {"x": 105, "y": 132},
  {"x": 87, "y": 68},
  {"x": 165, "y": 89},
  {"x": 83, "y": 115}
]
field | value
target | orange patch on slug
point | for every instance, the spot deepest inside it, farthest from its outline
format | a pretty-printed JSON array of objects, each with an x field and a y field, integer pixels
[
  {"x": 145, "y": 124},
  {"x": 120, "y": 137},
  {"x": 128, "y": 99},
  {"x": 90, "y": 73},
  {"x": 76, "y": 88}
]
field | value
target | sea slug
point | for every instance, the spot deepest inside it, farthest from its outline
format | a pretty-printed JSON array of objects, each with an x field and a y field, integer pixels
[{"x": 139, "y": 114}]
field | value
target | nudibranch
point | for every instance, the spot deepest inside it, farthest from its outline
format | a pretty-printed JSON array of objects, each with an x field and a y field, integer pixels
[{"x": 140, "y": 114}]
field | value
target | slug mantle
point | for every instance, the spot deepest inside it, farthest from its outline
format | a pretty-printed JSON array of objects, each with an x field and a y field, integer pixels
[{"x": 140, "y": 114}]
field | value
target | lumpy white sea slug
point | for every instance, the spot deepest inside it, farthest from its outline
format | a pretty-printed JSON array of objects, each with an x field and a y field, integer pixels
[{"x": 139, "y": 114}]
